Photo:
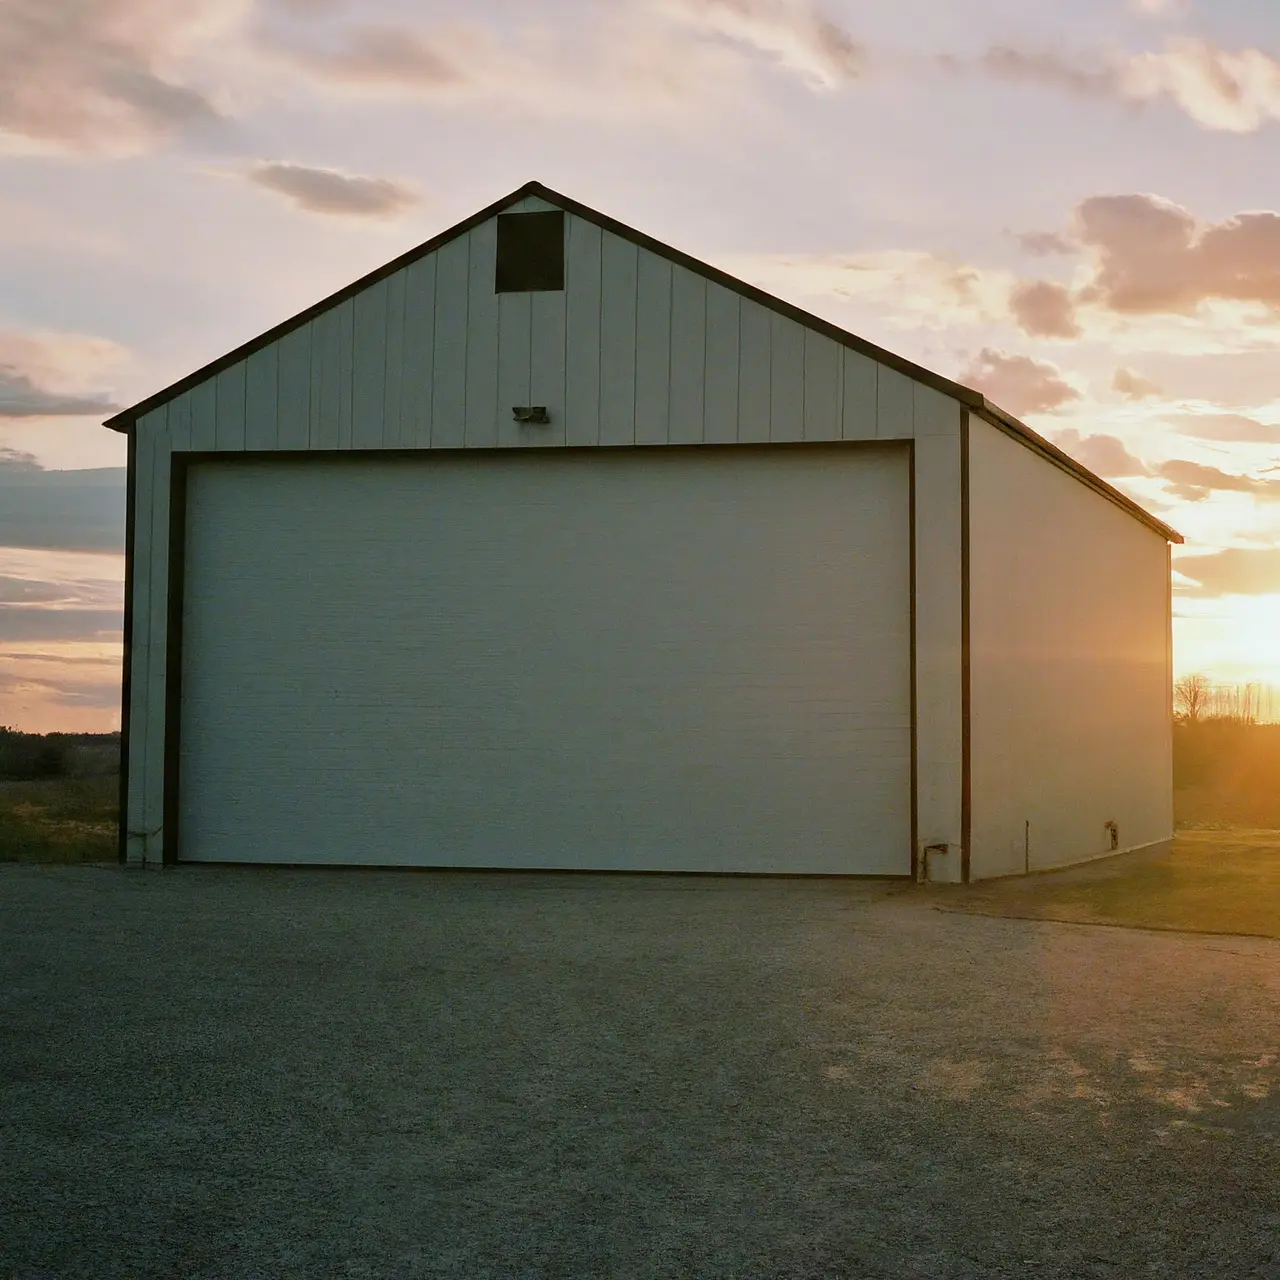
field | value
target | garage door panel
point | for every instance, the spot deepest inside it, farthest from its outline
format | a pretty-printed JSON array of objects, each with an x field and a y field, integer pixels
[{"x": 665, "y": 660}]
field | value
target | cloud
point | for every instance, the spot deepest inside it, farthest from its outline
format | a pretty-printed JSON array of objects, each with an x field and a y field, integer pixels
[
  {"x": 1234, "y": 428},
  {"x": 1194, "y": 481},
  {"x": 1133, "y": 386},
  {"x": 21, "y": 398},
  {"x": 62, "y": 510},
  {"x": 104, "y": 76},
  {"x": 793, "y": 33},
  {"x": 920, "y": 290},
  {"x": 329, "y": 191},
  {"x": 1218, "y": 89},
  {"x": 648, "y": 56},
  {"x": 399, "y": 58},
  {"x": 1106, "y": 456},
  {"x": 1151, "y": 255},
  {"x": 1019, "y": 384},
  {"x": 1044, "y": 244},
  {"x": 25, "y": 625},
  {"x": 1236, "y": 571},
  {"x": 1044, "y": 309},
  {"x": 46, "y": 375}
]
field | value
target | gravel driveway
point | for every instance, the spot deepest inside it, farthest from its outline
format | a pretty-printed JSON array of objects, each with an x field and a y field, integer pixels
[{"x": 267, "y": 1073}]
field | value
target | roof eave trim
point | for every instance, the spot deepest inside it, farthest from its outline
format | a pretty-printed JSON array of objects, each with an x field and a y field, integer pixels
[
  {"x": 1006, "y": 422},
  {"x": 122, "y": 420}
]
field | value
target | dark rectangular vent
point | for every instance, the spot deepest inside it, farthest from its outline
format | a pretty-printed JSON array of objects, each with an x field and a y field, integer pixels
[{"x": 530, "y": 252}]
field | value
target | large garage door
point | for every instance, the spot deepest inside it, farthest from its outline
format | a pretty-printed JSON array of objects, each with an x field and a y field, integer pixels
[{"x": 668, "y": 659}]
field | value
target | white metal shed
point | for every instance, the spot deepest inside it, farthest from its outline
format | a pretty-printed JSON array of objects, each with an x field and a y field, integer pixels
[{"x": 548, "y": 546}]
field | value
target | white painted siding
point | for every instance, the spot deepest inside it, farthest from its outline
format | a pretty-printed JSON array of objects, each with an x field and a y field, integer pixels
[
  {"x": 635, "y": 350},
  {"x": 1070, "y": 677},
  {"x": 683, "y": 660}
]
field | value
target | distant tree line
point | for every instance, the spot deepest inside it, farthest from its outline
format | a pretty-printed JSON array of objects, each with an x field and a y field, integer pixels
[
  {"x": 1197, "y": 700},
  {"x": 29, "y": 756}
]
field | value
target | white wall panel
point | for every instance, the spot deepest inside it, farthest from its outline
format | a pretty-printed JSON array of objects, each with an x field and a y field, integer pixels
[
  {"x": 895, "y": 404},
  {"x": 688, "y": 356},
  {"x": 755, "y": 344},
  {"x": 394, "y": 432},
  {"x": 204, "y": 416},
  {"x": 418, "y": 375},
  {"x": 619, "y": 271},
  {"x": 230, "y": 432},
  {"x": 515, "y": 366},
  {"x": 786, "y": 380},
  {"x": 324, "y": 404},
  {"x": 260, "y": 372},
  {"x": 369, "y": 367},
  {"x": 939, "y": 639},
  {"x": 582, "y": 333},
  {"x": 449, "y": 381},
  {"x": 157, "y": 463},
  {"x": 860, "y": 396},
  {"x": 178, "y": 424},
  {"x": 482, "y": 340},
  {"x": 294, "y": 390},
  {"x": 547, "y": 381},
  {"x": 720, "y": 405},
  {"x": 1069, "y": 624},
  {"x": 653, "y": 349},
  {"x": 823, "y": 387}
]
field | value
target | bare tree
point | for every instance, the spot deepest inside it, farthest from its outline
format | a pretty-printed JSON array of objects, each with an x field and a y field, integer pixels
[{"x": 1191, "y": 695}]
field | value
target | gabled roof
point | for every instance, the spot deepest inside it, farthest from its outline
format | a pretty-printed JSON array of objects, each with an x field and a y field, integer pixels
[{"x": 974, "y": 400}]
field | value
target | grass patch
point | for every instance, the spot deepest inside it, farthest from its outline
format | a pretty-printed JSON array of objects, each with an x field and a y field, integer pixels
[
  {"x": 1213, "y": 881},
  {"x": 59, "y": 820}
]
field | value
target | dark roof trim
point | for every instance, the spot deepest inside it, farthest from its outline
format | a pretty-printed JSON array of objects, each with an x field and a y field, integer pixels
[
  {"x": 1010, "y": 425},
  {"x": 975, "y": 400}
]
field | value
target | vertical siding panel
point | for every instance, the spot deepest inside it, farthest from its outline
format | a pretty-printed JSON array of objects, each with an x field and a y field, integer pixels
[
  {"x": 895, "y": 405},
  {"x": 449, "y": 386},
  {"x": 141, "y": 720},
  {"x": 294, "y": 394},
  {"x": 393, "y": 432},
  {"x": 231, "y": 408},
  {"x": 721, "y": 412},
  {"x": 482, "y": 339},
  {"x": 547, "y": 372},
  {"x": 419, "y": 350},
  {"x": 787, "y": 383},
  {"x": 324, "y": 406},
  {"x": 934, "y": 413},
  {"x": 157, "y": 643},
  {"x": 653, "y": 349},
  {"x": 861, "y": 378},
  {"x": 515, "y": 372},
  {"x": 178, "y": 429},
  {"x": 369, "y": 368},
  {"x": 260, "y": 398},
  {"x": 582, "y": 333},
  {"x": 755, "y": 372},
  {"x": 688, "y": 356},
  {"x": 619, "y": 270},
  {"x": 204, "y": 416},
  {"x": 823, "y": 387},
  {"x": 346, "y": 356}
]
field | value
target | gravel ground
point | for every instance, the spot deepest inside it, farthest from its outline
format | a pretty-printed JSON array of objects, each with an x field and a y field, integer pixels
[{"x": 214, "y": 1072}]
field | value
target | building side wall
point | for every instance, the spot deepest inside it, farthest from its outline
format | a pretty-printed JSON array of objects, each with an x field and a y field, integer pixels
[
  {"x": 636, "y": 350},
  {"x": 1070, "y": 667}
]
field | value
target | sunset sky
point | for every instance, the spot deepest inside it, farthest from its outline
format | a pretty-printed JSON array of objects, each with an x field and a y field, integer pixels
[{"x": 1070, "y": 206}]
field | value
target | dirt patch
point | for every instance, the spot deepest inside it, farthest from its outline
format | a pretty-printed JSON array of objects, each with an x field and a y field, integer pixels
[{"x": 1215, "y": 880}]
